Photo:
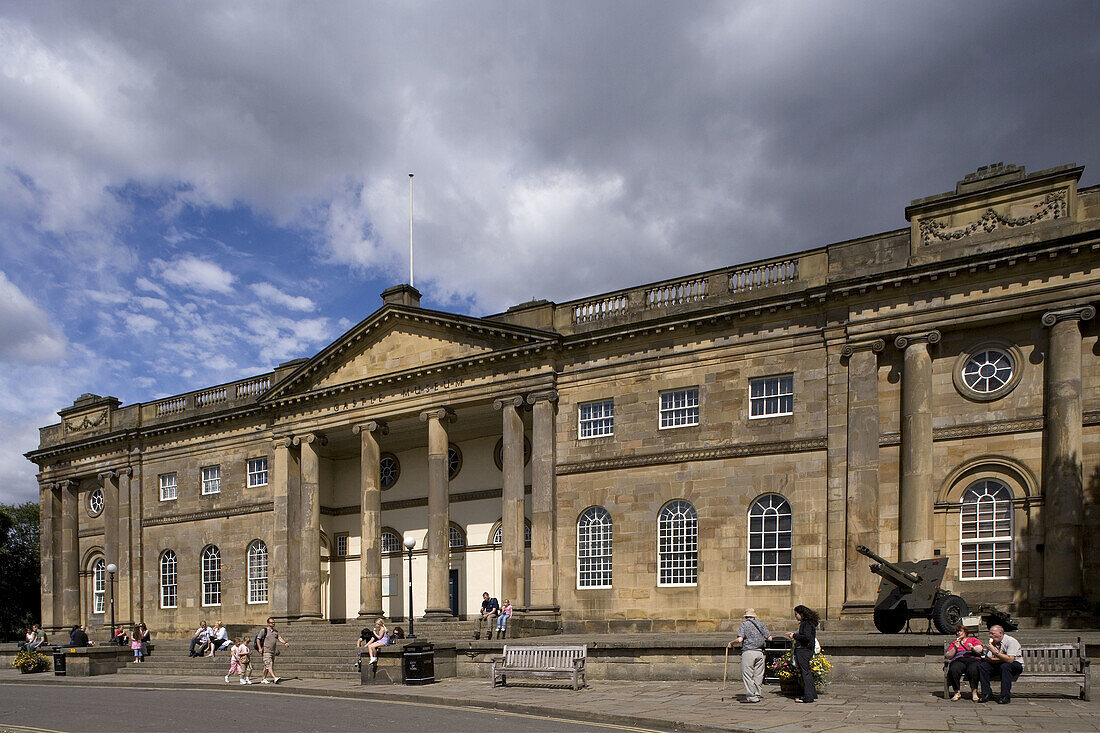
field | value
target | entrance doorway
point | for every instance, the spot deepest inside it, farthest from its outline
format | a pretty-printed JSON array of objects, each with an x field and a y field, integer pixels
[{"x": 453, "y": 590}]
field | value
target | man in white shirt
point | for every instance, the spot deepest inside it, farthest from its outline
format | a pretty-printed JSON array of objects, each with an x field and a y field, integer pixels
[
  {"x": 201, "y": 639},
  {"x": 1002, "y": 658}
]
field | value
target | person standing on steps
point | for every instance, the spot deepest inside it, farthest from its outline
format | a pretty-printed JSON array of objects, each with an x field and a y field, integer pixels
[
  {"x": 490, "y": 607},
  {"x": 752, "y": 635},
  {"x": 267, "y": 642}
]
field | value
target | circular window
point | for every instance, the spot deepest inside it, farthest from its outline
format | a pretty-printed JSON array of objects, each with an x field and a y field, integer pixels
[
  {"x": 988, "y": 372},
  {"x": 389, "y": 470},
  {"x": 454, "y": 461},
  {"x": 95, "y": 502},
  {"x": 498, "y": 452}
]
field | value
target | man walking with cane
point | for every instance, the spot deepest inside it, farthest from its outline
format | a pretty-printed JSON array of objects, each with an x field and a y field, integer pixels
[{"x": 751, "y": 635}]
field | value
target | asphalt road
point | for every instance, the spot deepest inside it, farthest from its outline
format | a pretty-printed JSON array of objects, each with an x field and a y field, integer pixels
[{"x": 72, "y": 708}]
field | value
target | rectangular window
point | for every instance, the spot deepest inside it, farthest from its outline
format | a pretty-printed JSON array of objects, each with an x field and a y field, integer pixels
[
  {"x": 212, "y": 480},
  {"x": 167, "y": 486},
  {"x": 168, "y": 580},
  {"x": 257, "y": 472},
  {"x": 771, "y": 396},
  {"x": 341, "y": 545},
  {"x": 680, "y": 408},
  {"x": 597, "y": 419}
]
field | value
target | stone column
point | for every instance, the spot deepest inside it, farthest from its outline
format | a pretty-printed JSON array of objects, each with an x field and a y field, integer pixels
[
  {"x": 512, "y": 580},
  {"x": 309, "y": 580},
  {"x": 916, "y": 496},
  {"x": 439, "y": 515},
  {"x": 1063, "y": 495},
  {"x": 370, "y": 519},
  {"x": 124, "y": 603},
  {"x": 861, "y": 499},
  {"x": 544, "y": 566},
  {"x": 49, "y": 518},
  {"x": 109, "y": 483},
  {"x": 70, "y": 555},
  {"x": 282, "y": 567},
  {"x": 137, "y": 557}
]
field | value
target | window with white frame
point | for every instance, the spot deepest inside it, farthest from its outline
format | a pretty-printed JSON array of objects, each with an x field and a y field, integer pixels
[
  {"x": 167, "y": 486},
  {"x": 456, "y": 538},
  {"x": 390, "y": 542},
  {"x": 771, "y": 396},
  {"x": 211, "y": 576},
  {"x": 679, "y": 408},
  {"x": 257, "y": 471},
  {"x": 257, "y": 572},
  {"x": 770, "y": 541},
  {"x": 211, "y": 480},
  {"x": 95, "y": 502},
  {"x": 342, "y": 545},
  {"x": 596, "y": 419},
  {"x": 168, "y": 579},
  {"x": 498, "y": 533},
  {"x": 594, "y": 548},
  {"x": 985, "y": 542},
  {"x": 677, "y": 544},
  {"x": 99, "y": 585}
]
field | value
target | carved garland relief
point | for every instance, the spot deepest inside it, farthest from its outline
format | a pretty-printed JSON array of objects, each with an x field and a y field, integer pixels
[{"x": 1052, "y": 206}]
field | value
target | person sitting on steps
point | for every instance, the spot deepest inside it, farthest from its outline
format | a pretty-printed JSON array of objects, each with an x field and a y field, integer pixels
[
  {"x": 490, "y": 607},
  {"x": 503, "y": 618}
]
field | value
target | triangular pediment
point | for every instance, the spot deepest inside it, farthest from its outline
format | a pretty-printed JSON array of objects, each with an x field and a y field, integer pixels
[{"x": 402, "y": 339}]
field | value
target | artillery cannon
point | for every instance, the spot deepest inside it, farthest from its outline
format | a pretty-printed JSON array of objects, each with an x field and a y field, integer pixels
[{"x": 912, "y": 590}]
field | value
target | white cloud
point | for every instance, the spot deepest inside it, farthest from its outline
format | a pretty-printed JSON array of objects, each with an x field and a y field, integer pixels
[
  {"x": 268, "y": 293},
  {"x": 26, "y": 334},
  {"x": 196, "y": 274},
  {"x": 139, "y": 323},
  {"x": 149, "y": 286}
]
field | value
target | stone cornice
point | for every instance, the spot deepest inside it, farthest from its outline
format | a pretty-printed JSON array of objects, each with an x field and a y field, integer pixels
[
  {"x": 90, "y": 532},
  {"x": 876, "y": 346},
  {"x": 258, "y": 508},
  {"x": 920, "y": 337},
  {"x": 687, "y": 456},
  {"x": 1078, "y": 313}
]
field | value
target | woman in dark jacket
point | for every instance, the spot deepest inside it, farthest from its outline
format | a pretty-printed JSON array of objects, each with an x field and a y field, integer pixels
[{"x": 805, "y": 640}]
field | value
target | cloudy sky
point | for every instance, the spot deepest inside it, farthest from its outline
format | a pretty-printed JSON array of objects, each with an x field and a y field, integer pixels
[{"x": 194, "y": 192}]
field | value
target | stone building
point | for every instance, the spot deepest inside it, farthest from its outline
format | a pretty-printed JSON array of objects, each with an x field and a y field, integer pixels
[{"x": 674, "y": 451}]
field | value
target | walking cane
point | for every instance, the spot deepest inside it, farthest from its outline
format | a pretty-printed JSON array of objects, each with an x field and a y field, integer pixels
[{"x": 725, "y": 667}]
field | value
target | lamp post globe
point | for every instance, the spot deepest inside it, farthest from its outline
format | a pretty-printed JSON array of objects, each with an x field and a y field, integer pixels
[
  {"x": 111, "y": 570},
  {"x": 410, "y": 543}
]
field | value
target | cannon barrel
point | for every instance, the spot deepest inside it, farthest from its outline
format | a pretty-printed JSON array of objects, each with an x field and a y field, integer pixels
[{"x": 890, "y": 571}]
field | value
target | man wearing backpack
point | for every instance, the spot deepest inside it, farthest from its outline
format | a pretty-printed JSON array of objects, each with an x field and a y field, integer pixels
[{"x": 266, "y": 643}]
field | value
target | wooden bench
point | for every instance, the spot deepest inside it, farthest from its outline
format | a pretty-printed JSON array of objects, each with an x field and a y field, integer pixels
[
  {"x": 541, "y": 661},
  {"x": 1048, "y": 663}
]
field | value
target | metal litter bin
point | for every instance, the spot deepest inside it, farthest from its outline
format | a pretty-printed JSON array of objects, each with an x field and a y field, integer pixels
[
  {"x": 59, "y": 661},
  {"x": 418, "y": 663}
]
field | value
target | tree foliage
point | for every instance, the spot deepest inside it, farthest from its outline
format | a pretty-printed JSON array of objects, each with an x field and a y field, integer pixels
[{"x": 19, "y": 568}]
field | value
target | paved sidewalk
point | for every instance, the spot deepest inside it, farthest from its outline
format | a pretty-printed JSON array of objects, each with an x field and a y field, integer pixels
[{"x": 697, "y": 706}]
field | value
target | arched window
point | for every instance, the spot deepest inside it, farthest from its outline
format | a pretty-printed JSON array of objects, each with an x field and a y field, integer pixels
[
  {"x": 770, "y": 540},
  {"x": 168, "y": 579},
  {"x": 456, "y": 538},
  {"x": 391, "y": 542},
  {"x": 498, "y": 533},
  {"x": 99, "y": 585},
  {"x": 454, "y": 461},
  {"x": 211, "y": 576},
  {"x": 594, "y": 548},
  {"x": 678, "y": 544},
  {"x": 257, "y": 572},
  {"x": 389, "y": 470},
  {"x": 985, "y": 541}
]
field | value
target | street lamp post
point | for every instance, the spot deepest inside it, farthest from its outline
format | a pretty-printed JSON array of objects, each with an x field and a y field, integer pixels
[
  {"x": 410, "y": 543},
  {"x": 111, "y": 570}
]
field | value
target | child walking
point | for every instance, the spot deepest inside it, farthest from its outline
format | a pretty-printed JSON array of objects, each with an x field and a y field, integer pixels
[{"x": 240, "y": 662}]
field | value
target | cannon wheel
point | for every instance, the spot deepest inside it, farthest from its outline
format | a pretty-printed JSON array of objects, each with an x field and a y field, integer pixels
[
  {"x": 948, "y": 612},
  {"x": 891, "y": 620}
]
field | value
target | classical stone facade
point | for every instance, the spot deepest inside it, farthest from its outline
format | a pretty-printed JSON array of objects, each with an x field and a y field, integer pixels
[{"x": 675, "y": 451}]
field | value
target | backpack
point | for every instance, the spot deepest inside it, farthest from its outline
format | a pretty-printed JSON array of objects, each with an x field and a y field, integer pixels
[{"x": 259, "y": 642}]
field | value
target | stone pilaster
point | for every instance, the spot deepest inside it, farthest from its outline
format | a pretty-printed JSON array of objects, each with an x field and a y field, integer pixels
[
  {"x": 49, "y": 508},
  {"x": 370, "y": 519},
  {"x": 917, "y": 496},
  {"x": 544, "y": 597},
  {"x": 70, "y": 555},
  {"x": 309, "y": 577},
  {"x": 512, "y": 580},
  {"x": 124, "y": 603},
  {"x": 861, "y": 496},
  {"x": 109, "y": 484},
  {"x": 283, "y": 567},
  {"x": 137, "y": 556},
  {"x": 1063, "y": 494},
  {"x": 439, "y": 515}
]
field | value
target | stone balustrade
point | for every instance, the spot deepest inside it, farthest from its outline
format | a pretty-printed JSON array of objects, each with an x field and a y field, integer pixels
[
  {"x": 685, "y": 291},
  {"x": 763, "y": 275}
]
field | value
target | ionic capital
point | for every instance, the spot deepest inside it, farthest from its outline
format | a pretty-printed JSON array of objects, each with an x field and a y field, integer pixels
[
  {"x": 443, "y": 414},
  {"x": 874, "y": 345},
  {"x": 501, "y": 402},
  {"x": 549, "y": 395},
  {"x": 372, "y": 426},
  {"x": 282, "y": 442},
  {"x": 309, "y": 438},
  {"x": 1078, "y": 313},
  {"x": 65, "y": 484},
  {"x": 106, "y": 476},
  {"x": 128, "y": 472},
  {"x": 924, "y": 337}
]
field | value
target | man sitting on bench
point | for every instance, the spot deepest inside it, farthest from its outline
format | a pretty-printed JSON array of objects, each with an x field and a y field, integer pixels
[{"x": 1002, "y": 658}]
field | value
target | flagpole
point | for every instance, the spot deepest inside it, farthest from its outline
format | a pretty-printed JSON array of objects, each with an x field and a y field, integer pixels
[{"x": 411, "y": 230}]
